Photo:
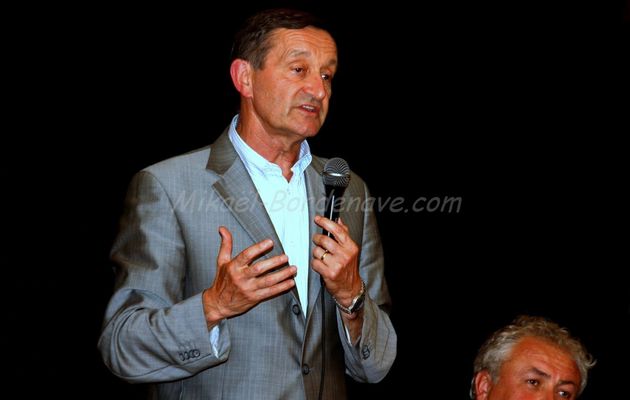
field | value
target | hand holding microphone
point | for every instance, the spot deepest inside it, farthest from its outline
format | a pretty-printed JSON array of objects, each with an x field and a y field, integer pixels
[{"x": 336, "y": 256}]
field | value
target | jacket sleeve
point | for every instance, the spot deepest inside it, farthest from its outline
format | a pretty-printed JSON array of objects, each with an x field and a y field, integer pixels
[
  {"x": 371, "y": 359},
  {"x": 150, "y": 333}
]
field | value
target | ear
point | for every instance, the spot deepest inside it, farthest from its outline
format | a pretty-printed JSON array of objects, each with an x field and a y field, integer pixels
[
  {"x": 240, "y": 71},
  {"x": 483, "y": 384}
]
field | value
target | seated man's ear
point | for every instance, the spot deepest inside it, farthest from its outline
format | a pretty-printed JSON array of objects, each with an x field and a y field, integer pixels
[{"x": 482, "y": 384}]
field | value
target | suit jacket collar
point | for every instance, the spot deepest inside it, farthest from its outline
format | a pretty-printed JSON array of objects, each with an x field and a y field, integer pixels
[
  {"x": 316, "y": 193},
  {"x": 222, "y": 154},
  {"x": 239, "y": 194}
]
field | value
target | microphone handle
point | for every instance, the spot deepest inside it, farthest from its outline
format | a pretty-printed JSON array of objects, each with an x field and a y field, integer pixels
[{"x": 333, "y": 205}]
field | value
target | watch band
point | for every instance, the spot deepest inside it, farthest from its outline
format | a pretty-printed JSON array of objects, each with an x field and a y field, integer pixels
[{"x": 357, "y": 302}]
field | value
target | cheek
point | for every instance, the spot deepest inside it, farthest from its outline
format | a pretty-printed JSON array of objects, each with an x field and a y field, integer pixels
[{"x": 506, "y": 390}]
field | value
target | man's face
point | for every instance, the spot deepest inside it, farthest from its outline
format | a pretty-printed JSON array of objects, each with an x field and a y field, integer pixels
[
  {"x": 535, "y": 370},
  {"x": 291, "y": 92}
]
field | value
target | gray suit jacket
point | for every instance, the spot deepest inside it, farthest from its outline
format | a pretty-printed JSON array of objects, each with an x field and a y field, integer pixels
[{"x": 165, "y": 256}]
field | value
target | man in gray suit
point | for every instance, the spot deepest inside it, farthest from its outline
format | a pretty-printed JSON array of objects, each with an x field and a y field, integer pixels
[{"x": 238, "y": 314}]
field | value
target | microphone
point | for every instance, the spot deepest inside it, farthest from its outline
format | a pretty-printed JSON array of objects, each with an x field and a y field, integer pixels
[{"x": 336, "y": 177}]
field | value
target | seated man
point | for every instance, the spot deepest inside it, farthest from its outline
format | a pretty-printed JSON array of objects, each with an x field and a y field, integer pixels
[{"x": 533, "y": 358}]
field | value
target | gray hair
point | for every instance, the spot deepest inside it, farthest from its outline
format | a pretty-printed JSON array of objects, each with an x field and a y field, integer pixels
[
  {"x": 499, "y": 346},
  {"x": 253, "y": 42}
]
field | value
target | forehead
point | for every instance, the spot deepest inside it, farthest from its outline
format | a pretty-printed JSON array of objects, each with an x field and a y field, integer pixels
[
  {"x": 531, "y": 352},
  {"x": 308, "y": 41}
]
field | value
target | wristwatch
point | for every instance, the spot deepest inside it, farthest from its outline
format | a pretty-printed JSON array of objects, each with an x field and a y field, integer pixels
[{"x": 357, "y": 302}]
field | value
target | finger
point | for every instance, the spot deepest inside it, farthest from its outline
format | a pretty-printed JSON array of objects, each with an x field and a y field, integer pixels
[
  {"x": 265, "y": 265},
  {"x": 342, "y": 224},
  {"x": 326, "y": 243},
  {"x": 254, "y": 251},
  {"x": 318, "y": 252},
  {"x": 275, "y": 290},
  {"x": 225, "y": 250},
  {"x": 277, "y": 276},
  {"x": 338, "y": 232},
  {"x": 320, "y": 267}
]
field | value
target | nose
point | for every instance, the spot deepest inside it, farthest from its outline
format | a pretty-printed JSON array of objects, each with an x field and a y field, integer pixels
[{"x": 316, "y": 86}]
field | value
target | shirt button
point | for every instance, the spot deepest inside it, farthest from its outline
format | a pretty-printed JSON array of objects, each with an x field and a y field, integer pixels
[
  {"x": 296, "y": 309},
  {"x": 306, "y": 369}
]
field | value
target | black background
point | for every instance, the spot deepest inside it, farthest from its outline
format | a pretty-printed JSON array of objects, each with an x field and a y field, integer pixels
[{"x": 500, "y": 105}]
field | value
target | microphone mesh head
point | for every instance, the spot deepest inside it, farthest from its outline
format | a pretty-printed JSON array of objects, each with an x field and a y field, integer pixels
[{"x": 336, "y": 173}]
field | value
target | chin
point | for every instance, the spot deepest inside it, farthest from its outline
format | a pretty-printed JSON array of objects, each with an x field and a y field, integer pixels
[
  {"x": 311, "y": 133},
  {"x": 308, "y": 130}
]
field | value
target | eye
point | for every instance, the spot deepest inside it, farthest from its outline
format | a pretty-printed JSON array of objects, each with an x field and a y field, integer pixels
[
  {"x": 326, "y": 77},
  {"x": 533, "y": 382},
  {"x": 565, "y": 395},
  {"x": 297, "y": 70}
]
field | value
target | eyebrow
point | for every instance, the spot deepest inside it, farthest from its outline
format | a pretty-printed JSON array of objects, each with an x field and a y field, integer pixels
[
  {"x": 299, "y": 53},
  {"x": 546, "y": 375},
  {"x": 539, "y": 372},
  {"x": 296, "y": 53}
]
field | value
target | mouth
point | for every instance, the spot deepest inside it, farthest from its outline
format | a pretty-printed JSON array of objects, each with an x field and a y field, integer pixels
[{"x": 309, "y": 108}]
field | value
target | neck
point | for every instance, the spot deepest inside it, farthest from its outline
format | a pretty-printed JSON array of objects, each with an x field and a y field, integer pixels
[{"x": 275, "y": 148}]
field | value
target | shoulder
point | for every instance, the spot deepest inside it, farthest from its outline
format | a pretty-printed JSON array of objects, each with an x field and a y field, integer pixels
[
  {"x": 193, "y": 160},
  {"x": 179, "y": 174}
]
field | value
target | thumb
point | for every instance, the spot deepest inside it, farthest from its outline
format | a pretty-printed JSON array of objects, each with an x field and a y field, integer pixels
[{"x": 225, "y": 251}]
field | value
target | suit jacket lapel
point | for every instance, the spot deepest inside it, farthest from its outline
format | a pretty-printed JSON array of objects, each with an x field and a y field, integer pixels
[
  {"x": 239, "y": 194},
  {"x": 316, "y": 194}
]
